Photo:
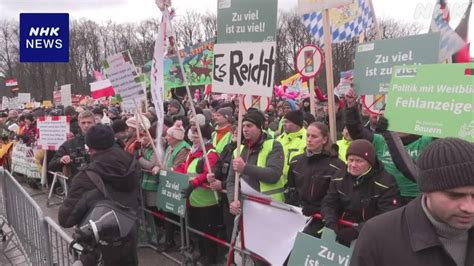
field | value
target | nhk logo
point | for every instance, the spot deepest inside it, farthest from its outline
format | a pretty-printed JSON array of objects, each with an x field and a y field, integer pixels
[{"x": 44, "y": 37}]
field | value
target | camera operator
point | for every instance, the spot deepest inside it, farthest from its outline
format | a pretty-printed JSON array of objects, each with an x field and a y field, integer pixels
[
  {"x": 120, "y": 175},
  {"x": 73, "y": 153}
]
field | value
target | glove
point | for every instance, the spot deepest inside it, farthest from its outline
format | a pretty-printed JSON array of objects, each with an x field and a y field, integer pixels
[
  {"x": 346, "y": 235},
  {"x": 137, "y": 145},
  {"x": 382, "y": 125},
  {"x": 187, "y": 191},
  {"x": 309, "y": 210}
]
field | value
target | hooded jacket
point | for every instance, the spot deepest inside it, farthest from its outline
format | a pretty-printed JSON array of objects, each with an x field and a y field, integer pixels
[{"x": 121, "y": 176}]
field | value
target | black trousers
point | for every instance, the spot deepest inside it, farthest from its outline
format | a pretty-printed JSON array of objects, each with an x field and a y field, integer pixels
[{"x": 205, "y": 219}]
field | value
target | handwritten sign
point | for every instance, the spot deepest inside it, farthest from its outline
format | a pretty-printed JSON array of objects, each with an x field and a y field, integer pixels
[
  {"x": 168, "y": 197},
  {"x": 326, "y": 251},
  {"x": 23, "y": 161},
  {"x": 245, "y": 69},
  {"x": 52, "y": 131},
  {"x": 374, "y": 61}
]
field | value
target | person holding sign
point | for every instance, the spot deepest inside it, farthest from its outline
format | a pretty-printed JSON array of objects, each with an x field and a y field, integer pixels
[
  {"x": 224, "y": 118},
  {"x": 260, "y": 163},
  {"x": 361, "y": 191},
  {"x": 310, "y": 173},
  {"x": 437, "y": 228}
]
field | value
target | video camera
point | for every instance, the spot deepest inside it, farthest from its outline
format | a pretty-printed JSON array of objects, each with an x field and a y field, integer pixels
[{"x": 79, "y": 156}]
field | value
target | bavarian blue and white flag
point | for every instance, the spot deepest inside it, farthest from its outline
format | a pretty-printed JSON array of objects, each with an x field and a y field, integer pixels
[
  {"x": 450, "y": 41},
  {"x": 347, "y": 22}
]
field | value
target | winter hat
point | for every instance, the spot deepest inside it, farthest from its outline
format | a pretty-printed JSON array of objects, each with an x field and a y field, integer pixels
[
  {"x": 256, "y": 118},
  {"x": 445, "y": 164},
  {"x": 132, "y": 122},
  {"x": 174, "y": 103},
  {"x": 364, "y": 149},
  {"x": 119, "y": 125},
  {"x": 308, "y": 118},
  {"x": 114, "y": 110},
  {"x": 100, "y": 137},
  {"x": 176, "y": 131},
  {"x": 290, "y": 103},
  {"x": 199, "y": 119},
  {"x": 227, "y": 113},
  {"x": 296, "y": 117}
]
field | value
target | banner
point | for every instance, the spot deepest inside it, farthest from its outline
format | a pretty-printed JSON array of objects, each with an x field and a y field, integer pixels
[
  {"x": 66, "y": 97},
  {"x": 244, "y": 69},
  {"x": 197, "y": 63},
  {"x": 246, "y": 20},
  {"x": 432, "y": 100},
  {"x": 23, "y": 161},
  {"x": 52, "y": 131},
  {"x": 309, "y": 250},
  {"x": 168, "y": 197},
  {"x": 374, "y": 60},
  {"x": 124, "y": 77},
  {"x": 11, "y": 103}
]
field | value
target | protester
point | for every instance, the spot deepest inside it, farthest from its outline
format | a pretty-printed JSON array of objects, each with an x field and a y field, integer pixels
[
  {"x": 263, "y": 164},
  {"x": 133, "y": 143},
  {"x": 120, "y": 174},
  {"x": 343, "y": 144},
  {"x": 437, "y": 228},
  {"x": 120, "y": 129},
  {"x": 223, "y": 119},
  {"x": 359, "y": 192},
  {"x": 310, "y": 173}
]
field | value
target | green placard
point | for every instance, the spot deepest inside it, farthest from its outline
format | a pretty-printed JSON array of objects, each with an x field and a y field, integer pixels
[
  {"x": 168, "y": 197},
  {"x": 433, "y": 100},
  {"x": 374, "y": 60},
  {"x": 326, "y": 251},
  {"x": 246, "y": 20}
]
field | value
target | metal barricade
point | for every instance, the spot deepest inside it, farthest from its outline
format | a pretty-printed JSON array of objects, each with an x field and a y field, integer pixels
[
  {"x": 59, "y": 241},
  {"x": 25, "y": 218}
]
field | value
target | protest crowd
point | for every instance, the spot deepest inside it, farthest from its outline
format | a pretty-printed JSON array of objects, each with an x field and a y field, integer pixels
[{"x": 261, "y": 175}]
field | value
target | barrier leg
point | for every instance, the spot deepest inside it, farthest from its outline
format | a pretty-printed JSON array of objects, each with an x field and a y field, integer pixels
[
  {"x": 55, "y": 178},
  {"x": 230, "y": 255}
]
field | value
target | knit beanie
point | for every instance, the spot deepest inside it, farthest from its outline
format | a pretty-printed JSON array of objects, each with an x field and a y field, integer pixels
[
  {"x": 296, "y": 117},
  {"x": 364, "y": 149},
  {"x": 445, "y": 164},
  {"x": 119, "y": 125},
  {"x": 100, "y": 137},
  {"x": 227, "y": 113},
  {"x": 132, "y": 122},
  {"x": 175, "y": 103},
  {"x": 256, "y": 118},
  {"x": 176, "y": 131}
]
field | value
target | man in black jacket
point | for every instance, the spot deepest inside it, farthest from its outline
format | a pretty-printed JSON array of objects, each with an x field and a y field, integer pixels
[
  {"x": 361, "y": 191},
  {"x": 121, "y": 175},
  {"x": 436, "y": 228},
  {"x": 72, "y": 154}
]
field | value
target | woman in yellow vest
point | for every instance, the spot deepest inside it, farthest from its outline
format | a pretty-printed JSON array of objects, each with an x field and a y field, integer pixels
[{"x": 203, "y": 208}]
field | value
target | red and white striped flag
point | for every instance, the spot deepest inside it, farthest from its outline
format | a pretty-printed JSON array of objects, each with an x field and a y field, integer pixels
[
  {"x": 11, "y": 82},
  {"x": 101, "y": 88}
]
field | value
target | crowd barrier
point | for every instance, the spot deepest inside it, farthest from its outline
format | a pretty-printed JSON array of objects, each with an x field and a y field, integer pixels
[{"x": 42, "y": 240}]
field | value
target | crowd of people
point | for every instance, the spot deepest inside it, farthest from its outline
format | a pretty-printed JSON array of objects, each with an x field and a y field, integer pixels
[{"x": 286, "y": 153}]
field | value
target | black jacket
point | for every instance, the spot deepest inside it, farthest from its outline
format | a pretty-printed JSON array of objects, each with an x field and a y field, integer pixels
[
  {"x": 224, "y": 163},
  {"x": 75, "y": 148},
  {"x": 121, "y": 176},
  {"x": 359, "y": 199},
  {"x": 404, "y": 237},
  {"x": 309, "y": 178}
]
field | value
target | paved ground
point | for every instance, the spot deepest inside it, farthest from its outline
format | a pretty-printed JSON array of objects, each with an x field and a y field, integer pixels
[{"x": 13, "y": 256}]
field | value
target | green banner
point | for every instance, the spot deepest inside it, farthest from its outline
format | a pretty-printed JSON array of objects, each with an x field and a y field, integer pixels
[
  {"x": 433, "y": 100},
  {"x": 197, "y": 63},
  {"x": 374, "y": 60},
  {"x": 246, "y": 20},
  {"x": 168, "y": 197},
  {"x": 326, "y": 251}
]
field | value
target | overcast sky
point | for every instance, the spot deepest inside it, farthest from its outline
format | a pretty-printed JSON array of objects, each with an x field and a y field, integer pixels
[{"x": 136, "y": 10}]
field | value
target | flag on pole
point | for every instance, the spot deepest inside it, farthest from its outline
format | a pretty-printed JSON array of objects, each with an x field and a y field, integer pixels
[
  {"x": 11, "y": 82},
  {"x": 347, "y": 22},
  {"x": 101, "y": 88},
  {"x": 450, "y": 41},
  {"x": 463, "y": 55}
]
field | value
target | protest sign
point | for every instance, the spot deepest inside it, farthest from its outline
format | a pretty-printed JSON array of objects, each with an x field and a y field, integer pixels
[
  {"x": 344, "y": 83},
  {"x": 309, "y": 61},
  {"x": 197, "y": 63},
  {"x": 24, "y": 97},
  {"x": 309, "y": 250},
  {"x": 123, "y": 75},
  {"x": 374, "y": 60},
  {"x": 245, "y": 69},
  {"x": 308, "y": 6},
  {"x": 433, "y": 100},
  {"x": 47, "y": 104},
  {"x": 52, "y": 131},
  {"x": 66, "y": 97},
  {"x": 23, "y": 161},
  {"x": 168, "y": 197},
  {"x": 246, "y": 20},
  {"x": 11, "y": 103}
]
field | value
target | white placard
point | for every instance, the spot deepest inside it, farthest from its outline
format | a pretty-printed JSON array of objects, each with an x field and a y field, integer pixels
[
  {"x": 66, "y": 97},
  {"x": 52, "y": 131},
  {"x": 24, "y": 97},
  {"x": 244, "y": 68}
]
